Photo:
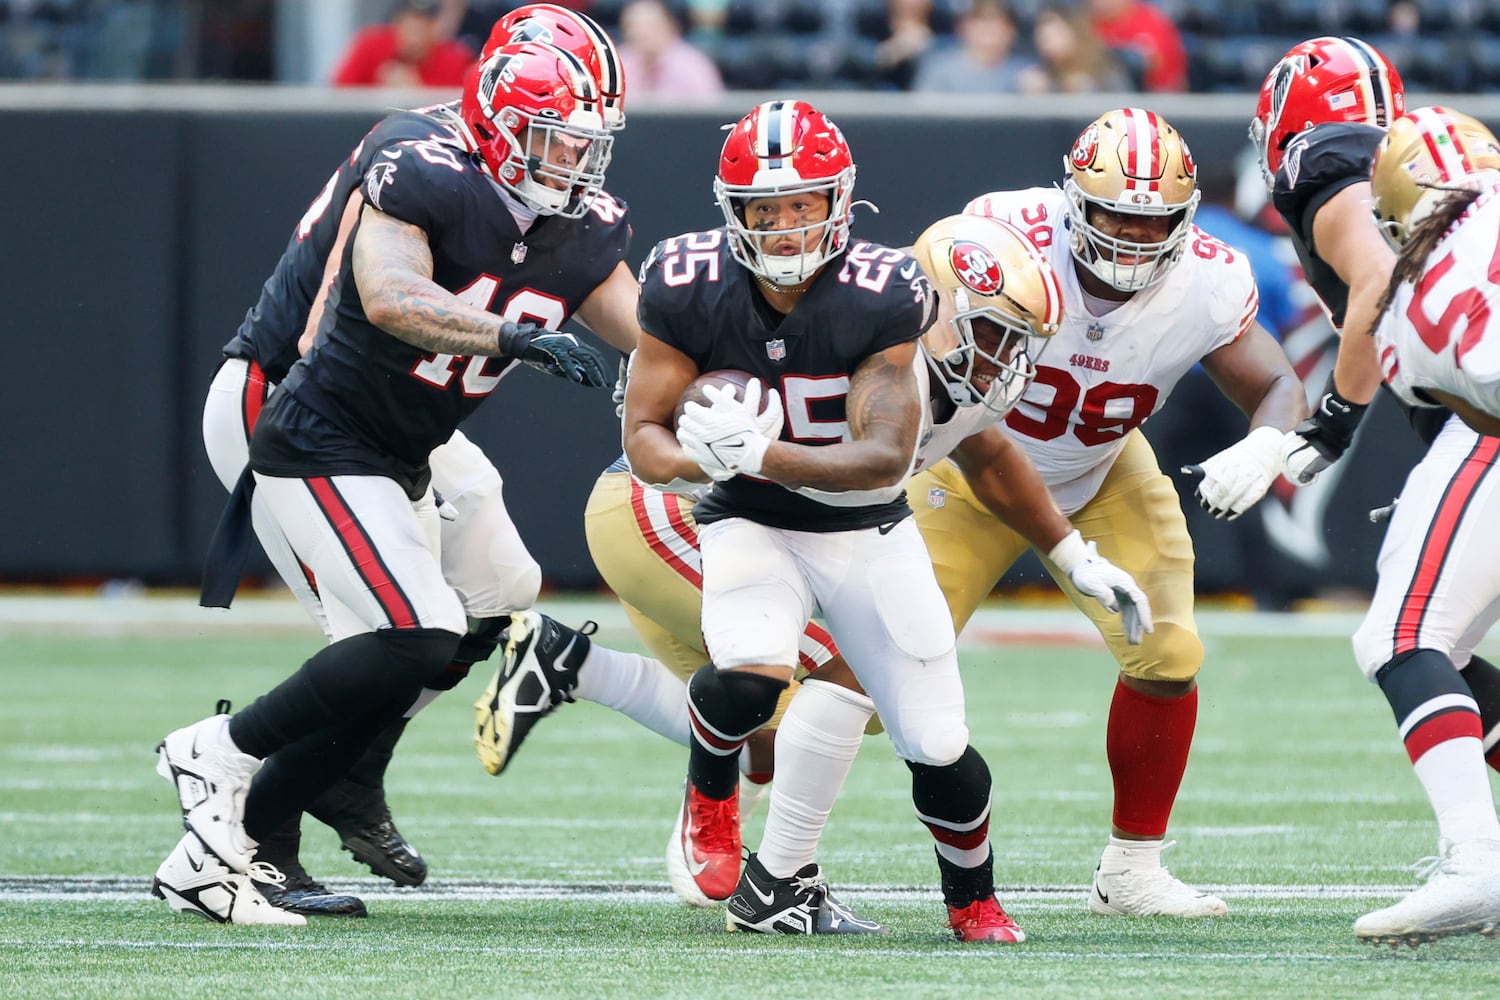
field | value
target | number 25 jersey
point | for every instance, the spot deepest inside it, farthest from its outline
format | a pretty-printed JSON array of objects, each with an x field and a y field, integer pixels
[
  {"x": 698, "y": 299},
  {"x": 1104, "y": 375}
]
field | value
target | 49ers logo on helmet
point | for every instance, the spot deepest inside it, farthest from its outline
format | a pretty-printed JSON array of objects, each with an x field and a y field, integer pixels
[
  {"x": 1086, "y": 146},
  {"x": 976, "y": 267},
  {"x": 1188, "y": 166}
]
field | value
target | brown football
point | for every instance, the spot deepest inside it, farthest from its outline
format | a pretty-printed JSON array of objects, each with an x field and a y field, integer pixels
[{"x": 724, "y": 376}]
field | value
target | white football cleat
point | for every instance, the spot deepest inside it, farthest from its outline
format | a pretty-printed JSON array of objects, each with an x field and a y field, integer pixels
[
  {"x": 212, "y": 777},
  {"x": 1131, "y": 882},
  {"x": 1461, "y": 896},
  {"x": 192, "y": 880}
]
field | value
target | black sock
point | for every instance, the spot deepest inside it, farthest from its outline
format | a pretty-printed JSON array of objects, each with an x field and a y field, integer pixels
[
  {"x": 726, "y": 707},
  {"x": 962, "y": 886},
  {"x": 1483, "y": 678}
]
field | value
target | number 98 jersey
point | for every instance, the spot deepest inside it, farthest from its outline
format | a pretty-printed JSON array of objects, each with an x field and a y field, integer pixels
[
  {"x": 697, "y": 299},
  {"x": 1105, "y": 374}
]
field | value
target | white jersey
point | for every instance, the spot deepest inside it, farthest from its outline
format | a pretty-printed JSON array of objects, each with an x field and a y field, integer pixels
[
  {"x": 1436, "y": 333},
  {"x": 1100, "y": 377}
]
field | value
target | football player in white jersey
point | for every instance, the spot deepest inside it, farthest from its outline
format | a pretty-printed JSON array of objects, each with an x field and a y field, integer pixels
[
  {"x": 1147, "y": 296},
  {"x": 1436, "y": 187}
]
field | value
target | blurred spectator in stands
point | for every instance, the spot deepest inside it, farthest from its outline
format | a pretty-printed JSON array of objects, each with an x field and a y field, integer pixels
[
  {"x": 1073, "y": 59},
  {"x": 982, "y": 62},
  {"x": 658, "y": 60},
  {"x": 1404, "y": 18},
  {"x": 1144, "y": 37},
  {"x": 707, "y": 19},
  {"x": 410, "y": 50},
  {"x": 910, "y": 35}
]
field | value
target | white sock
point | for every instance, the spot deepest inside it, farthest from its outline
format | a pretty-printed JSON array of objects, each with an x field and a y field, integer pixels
[
  {"x": 816, "y": 743},
  {"x": 1457, "y": 782},
  {"x": 1122, "y": 855},
  {"x": 637, "y": 688}
]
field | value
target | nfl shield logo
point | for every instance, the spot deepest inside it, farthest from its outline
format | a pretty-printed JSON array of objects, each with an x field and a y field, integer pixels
[
  {"x": 518, "y": 254},
  {"x": 775, "y": 349},
  {"x": 1095, "y": 331},
  {"x": 936, "y": 498}
]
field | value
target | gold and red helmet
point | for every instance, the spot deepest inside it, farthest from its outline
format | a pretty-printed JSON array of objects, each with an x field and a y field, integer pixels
[
  {"x": 1426, "y": 153},
  {"x": 786, "y": 148},
  {"x": 1130, "y": 162},
  {"x": 1003, "y": 302},
  {"x": 572, "y": 31}
]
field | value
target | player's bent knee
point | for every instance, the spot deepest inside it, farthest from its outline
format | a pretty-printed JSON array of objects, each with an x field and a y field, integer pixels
[
  {"x": 935, "y": 745},
  {"x": 519, "y": 586},
  {"x": 1170, "y": 653},
  {"x": 419, "y": 653}
]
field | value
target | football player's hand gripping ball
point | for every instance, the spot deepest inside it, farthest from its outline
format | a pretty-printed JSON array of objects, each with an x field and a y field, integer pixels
[
  {"x": 1235, "y": 478},
  {"x": 1105, "y": 582},
  {"x": 731, "y": 435}
]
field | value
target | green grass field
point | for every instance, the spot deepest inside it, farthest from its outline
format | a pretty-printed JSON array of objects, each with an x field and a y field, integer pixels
[{"x": 1299, "y": 808}]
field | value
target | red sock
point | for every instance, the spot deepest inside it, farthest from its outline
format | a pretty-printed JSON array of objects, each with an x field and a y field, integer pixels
[{"x": 1147, "y": 743}]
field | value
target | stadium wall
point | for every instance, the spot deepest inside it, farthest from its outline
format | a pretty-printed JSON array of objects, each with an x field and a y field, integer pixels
[{"x": 141, "y": 221}]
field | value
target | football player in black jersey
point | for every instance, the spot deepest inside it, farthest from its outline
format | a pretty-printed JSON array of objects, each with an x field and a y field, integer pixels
[
  {"x": 416, "y": 332},
  {"x": 483, "y": 556},
  {"x": 1323, "y": 110},
  {"x": 807, "y": 508}
]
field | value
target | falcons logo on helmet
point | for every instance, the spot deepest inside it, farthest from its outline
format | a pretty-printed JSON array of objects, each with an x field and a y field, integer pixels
[{"x": 976, "y": 267}]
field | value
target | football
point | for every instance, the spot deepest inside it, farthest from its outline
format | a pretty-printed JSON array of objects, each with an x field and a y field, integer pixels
[{"x": 724, "y": 376}]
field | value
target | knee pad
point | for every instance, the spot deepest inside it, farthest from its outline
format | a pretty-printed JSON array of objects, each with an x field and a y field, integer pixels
[
  {"x": 1170, "y": 653},
  {"x": 733, "y": 703},
  {"x": 934, "y": 746}
]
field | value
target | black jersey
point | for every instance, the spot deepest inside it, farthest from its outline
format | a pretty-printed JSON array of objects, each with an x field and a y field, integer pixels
[
  {"x": 698, "y": 299},
  {"x": 272, "y": 327},
  {"x": 376, "y": 405},
  {"x": 1318, "y": 164}
]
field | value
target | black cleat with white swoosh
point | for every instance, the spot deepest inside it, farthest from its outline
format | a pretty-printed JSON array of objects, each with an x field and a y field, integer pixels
[{"x": 800, "y": 904}]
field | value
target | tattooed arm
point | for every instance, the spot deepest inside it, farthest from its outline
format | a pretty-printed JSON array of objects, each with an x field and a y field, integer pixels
[
  {"x": 884, "y": 410},
  {"x": 393, "y": 271}
]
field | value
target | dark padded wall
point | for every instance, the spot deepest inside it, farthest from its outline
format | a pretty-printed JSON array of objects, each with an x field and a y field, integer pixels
[{"x": 135, "y": 242}]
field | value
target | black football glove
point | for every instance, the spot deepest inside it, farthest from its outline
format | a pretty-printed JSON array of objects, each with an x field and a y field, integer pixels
[
  {"x": 559, "y": 354},
  {"x": 1322, "y": 438}
]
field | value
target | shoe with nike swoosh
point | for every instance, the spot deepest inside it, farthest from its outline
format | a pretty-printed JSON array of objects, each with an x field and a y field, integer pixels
[
  {"x": 193, "y": 880},
  {"x": 539, "y": 671},
  {"x": 800, "y": 904},
  {"x": 212, "y": 777},
  {"x": 1130, "y": 881},
  {"x": 703, "y": 856},
  {"x": 984, "y": 920}
]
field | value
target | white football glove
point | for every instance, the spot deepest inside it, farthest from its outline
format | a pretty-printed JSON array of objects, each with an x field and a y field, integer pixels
[
  {"x": 1238, "y": 476},
  {"x": 730, "y": 436},
  {"x": 622, "y": 380},
  {"x": 1105, "y": 582}
]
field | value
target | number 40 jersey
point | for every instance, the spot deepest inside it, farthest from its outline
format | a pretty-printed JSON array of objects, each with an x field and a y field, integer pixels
[{"x": 1107, "y": 370}]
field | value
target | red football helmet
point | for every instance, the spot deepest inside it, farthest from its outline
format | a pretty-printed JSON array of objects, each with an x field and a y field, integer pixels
[
  {"x": 1324, "y": 80},
  {"x": 573, "y": 32},
  {"x": 535, "y": 117},
  {"x": 784, "y": 148}
]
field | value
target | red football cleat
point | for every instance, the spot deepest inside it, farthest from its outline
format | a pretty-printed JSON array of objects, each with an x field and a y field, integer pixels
[
  {"x": 984, "y": 920},
  {"x": 707, "y": 844}
]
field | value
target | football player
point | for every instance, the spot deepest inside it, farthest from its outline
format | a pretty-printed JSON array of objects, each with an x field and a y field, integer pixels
[
  {"x": 980, "y": 356},
  {"x": 1435, "y": 184},
  {"x": 1323, "y": 111},
  {"x": 1148, "y": 296},
  {"x": 482, "y": 555},
  {"x": 418, "y": 331},
  {"x": 807, "y": 507}
]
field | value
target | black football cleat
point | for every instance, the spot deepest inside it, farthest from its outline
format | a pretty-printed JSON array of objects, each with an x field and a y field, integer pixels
[{"x": 362, "y": 819}]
